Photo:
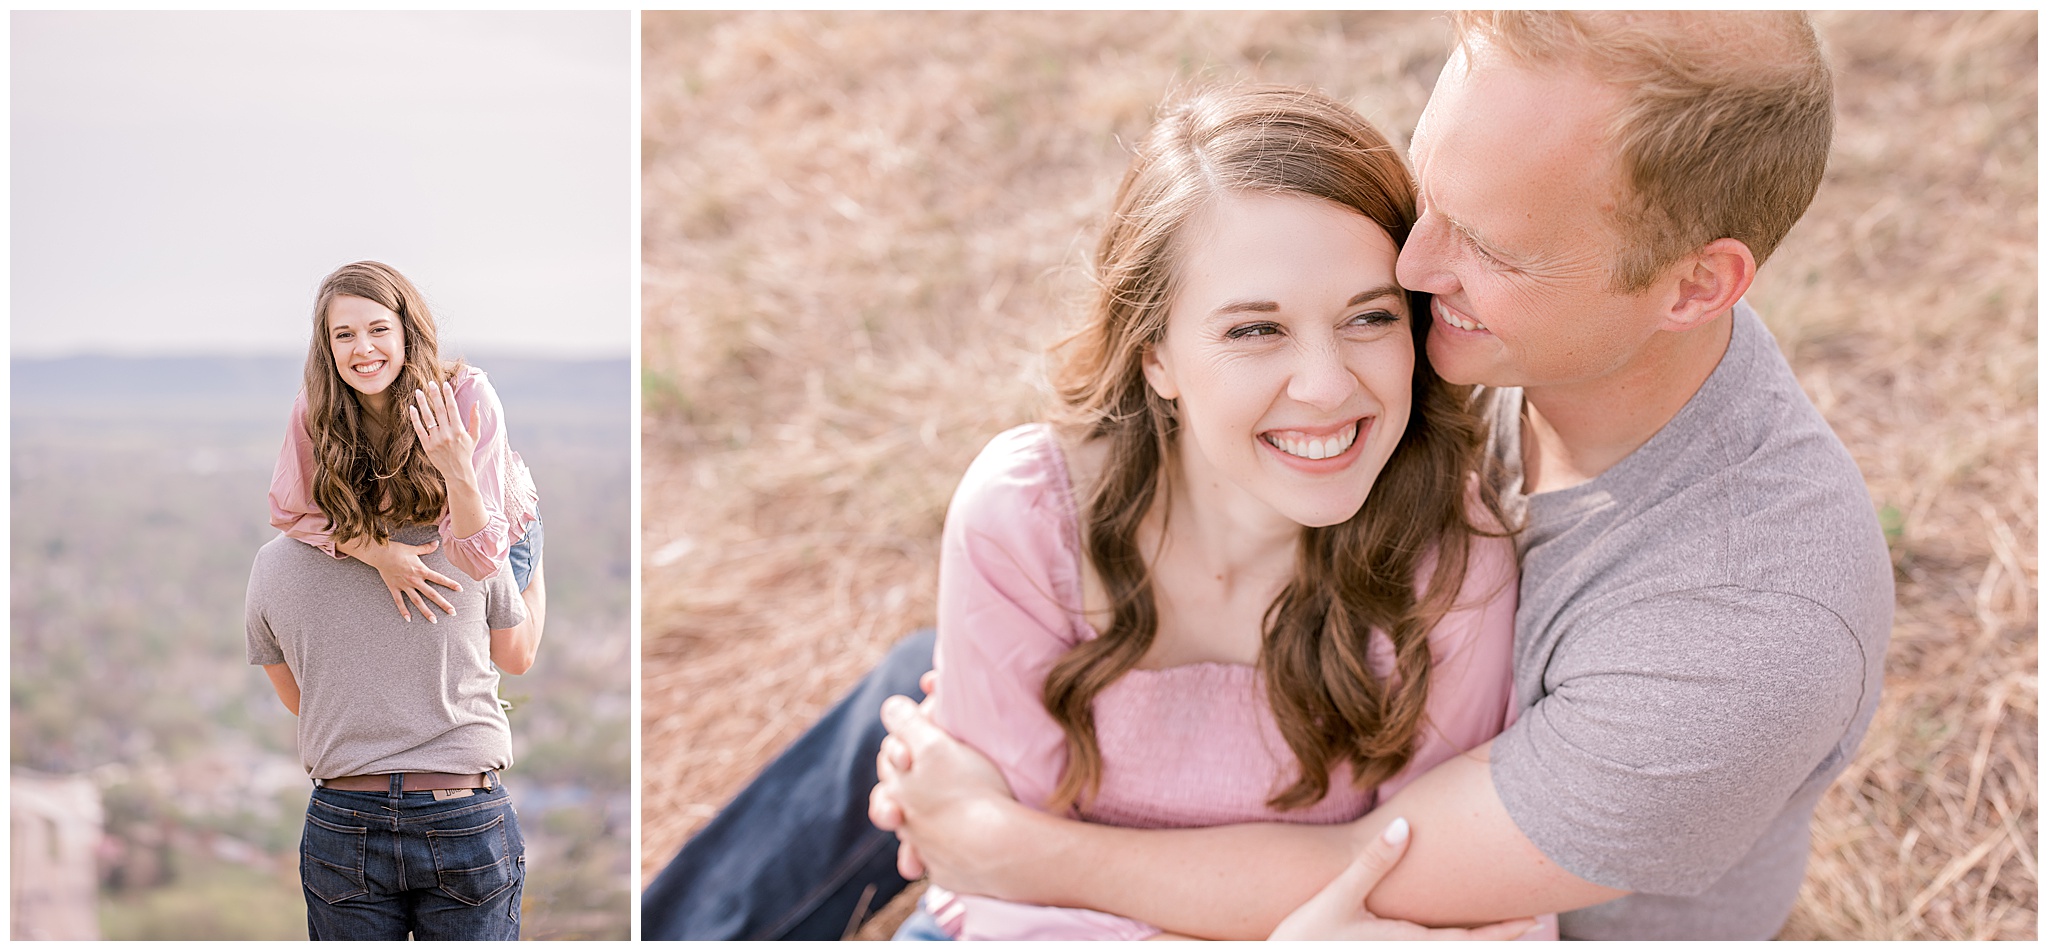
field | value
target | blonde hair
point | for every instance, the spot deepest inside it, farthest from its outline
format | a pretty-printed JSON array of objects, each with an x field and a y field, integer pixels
[{"x": 1724, "y": 123}]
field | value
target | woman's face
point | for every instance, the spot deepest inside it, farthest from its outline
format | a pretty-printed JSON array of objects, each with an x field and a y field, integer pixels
[
  {"x": 1289, "y": 350},
  {"x": 368, "y": 342}
]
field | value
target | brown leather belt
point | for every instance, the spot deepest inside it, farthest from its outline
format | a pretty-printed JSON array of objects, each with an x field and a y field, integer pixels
[{"x": 414, "y": 782}]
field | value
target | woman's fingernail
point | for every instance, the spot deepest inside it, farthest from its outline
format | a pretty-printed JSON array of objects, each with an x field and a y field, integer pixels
[{"x": 1397, "y": 832}]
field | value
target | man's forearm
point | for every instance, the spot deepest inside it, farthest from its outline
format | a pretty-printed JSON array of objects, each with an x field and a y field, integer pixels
[{"x": 1467, "y": 864}]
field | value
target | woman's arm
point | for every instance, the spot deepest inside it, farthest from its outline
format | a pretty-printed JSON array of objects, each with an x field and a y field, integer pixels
[
  {"x": 475, "y": 532},
  {"x": 1240, "y": 881},
  {"x": 1467, "y": 863},
  {"x": 293, "y": 512},
  {"x": 1009, "y": 598}
]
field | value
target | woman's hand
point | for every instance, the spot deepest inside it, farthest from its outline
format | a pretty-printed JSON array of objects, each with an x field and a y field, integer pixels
[
  {"x": 449, "y": 446},
  {"x": 405, "y": 575},
  {"x": 1339, "y": 912},
  {"x": 941, "y": 797}
]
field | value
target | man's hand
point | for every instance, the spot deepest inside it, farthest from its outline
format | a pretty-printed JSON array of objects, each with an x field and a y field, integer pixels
[
  {"x": 939, "y": 795},
  {"x": 1338, "y": 912}
]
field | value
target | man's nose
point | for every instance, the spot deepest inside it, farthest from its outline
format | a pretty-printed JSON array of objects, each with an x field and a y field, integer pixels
[{"x": 1421, "y": 265}]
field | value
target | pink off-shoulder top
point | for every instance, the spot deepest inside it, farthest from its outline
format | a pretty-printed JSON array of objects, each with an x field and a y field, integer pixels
[
  {"x": 1185, "y": 746},
  {"x": 511, "y": 503}
]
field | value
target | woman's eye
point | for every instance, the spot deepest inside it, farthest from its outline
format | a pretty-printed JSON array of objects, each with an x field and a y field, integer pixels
[
  {"x": 1252, "y": 330},
  {"x": 1377, "y": 318}
]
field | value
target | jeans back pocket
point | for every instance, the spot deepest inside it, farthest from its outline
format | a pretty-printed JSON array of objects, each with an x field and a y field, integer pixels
[
  {"x": 331, "y": 859},
  {"x": 473, "y": 865}
]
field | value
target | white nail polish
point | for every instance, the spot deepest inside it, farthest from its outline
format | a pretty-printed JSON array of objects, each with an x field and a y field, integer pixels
[{"x": 1397, "y": 832}]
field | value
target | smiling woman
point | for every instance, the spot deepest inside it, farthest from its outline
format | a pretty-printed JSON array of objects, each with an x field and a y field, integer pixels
[{"x": 1252, "y": 479}]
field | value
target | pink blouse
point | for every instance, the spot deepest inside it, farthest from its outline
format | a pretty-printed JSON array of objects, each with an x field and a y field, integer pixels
[
  {"x": 1186, "y": 746},
  {"x": 511, "y": 502}
]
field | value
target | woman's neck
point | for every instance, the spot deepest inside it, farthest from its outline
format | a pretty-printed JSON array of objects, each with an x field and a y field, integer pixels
[
  {"x": 1217, "y": 560},
  {"x": 376, "y": 406},
  {"x": 1230, "y": 537}
]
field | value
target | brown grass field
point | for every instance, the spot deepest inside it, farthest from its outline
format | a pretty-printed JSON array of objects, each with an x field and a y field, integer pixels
[{"x": 861, "y": 229}]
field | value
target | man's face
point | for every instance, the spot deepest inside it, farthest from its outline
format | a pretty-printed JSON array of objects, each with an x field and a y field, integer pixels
[{"x": 1516, "y": 239}]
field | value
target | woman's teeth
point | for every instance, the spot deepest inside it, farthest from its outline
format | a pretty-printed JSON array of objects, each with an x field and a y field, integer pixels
[
  {"x": 1307, "y": 447},
  {"x": 368, "y": 368}
]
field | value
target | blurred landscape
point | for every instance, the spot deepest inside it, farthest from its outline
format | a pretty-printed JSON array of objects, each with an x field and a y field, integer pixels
[
  {"x": 138, "y": 505},
  {"x": 860, "y": 231}
]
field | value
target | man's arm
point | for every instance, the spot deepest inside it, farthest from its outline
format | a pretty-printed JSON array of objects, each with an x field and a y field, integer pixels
[
  {"x": 1467, "y": 862},
  {"x": 513, "y": 648},
  {"x": 287, "y": 686}
]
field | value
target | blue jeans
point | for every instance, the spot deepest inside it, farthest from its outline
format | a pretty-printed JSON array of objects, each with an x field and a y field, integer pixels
[
  {"x": 524, "y": 554},
  {"x": 920, "y": 926},
  {"x": 793, "y": 856},
  {"x": 384, "y": 865}
]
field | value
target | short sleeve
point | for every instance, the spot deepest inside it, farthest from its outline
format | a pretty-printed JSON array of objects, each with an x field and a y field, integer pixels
[
  {"x": 502, "y": 605},
  {"x": 263, "y": 645},
  {"x": 1673, "y": 730},
  {"x": 478, "y": 553},
  {"x": 1008, "y": 606}
]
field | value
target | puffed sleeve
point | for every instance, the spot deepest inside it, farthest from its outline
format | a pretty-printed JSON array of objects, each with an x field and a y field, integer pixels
[
  {"x": 477, "y": 555},
  {"x": 292, "y": 509},
  {"x": 1009, "y": 600}
]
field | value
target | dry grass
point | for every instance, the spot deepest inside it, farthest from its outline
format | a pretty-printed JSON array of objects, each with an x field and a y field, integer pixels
[{"x": 859, "y": 234}]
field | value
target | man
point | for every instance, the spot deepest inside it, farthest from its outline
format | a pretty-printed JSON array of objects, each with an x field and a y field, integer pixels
[
  {"x": 1706, "y": 596},
  {"x": 409, "y": 831}
]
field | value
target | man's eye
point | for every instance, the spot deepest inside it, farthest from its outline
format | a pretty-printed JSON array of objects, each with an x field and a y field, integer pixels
[{"x": 1252, "y": 330}]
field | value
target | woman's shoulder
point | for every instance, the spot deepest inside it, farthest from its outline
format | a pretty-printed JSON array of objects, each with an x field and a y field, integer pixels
[
  {"x": 466, "y": 377},
  {"x": 1021, "y": 466}
]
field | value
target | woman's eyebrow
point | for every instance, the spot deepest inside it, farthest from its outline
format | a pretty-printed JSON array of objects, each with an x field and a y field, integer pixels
[
  {"x": 1245, "y": 307},
  {"x": 1384, "y": 290}
]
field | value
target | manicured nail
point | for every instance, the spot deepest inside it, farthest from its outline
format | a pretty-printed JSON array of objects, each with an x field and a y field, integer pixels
[{"x": 1397, "y": 832}]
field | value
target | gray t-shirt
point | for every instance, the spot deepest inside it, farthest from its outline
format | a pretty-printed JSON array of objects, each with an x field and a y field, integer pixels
[
  {"x": 1698, "y": 650},
  {"x": 379, "y": 694}
]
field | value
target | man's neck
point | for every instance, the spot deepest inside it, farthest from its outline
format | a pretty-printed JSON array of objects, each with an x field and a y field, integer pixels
[{"x": 1571, "y": 433}]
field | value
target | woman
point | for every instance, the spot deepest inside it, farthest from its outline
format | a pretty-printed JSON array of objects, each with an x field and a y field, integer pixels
[
  {"x": 1246, "y": 573},
  {"x": 384, "y": 434}
]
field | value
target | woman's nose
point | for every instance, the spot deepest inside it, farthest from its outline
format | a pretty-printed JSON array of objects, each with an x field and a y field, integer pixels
[{"x": 1320, "y": 377}]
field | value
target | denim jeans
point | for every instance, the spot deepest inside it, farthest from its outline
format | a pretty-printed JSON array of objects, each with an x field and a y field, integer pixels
[
  {"x": 385, "y": 865},
  {"x": 793, "y": 856},
  {"x": 920, "y": 926},
  {"x": 524, "y": 554}
]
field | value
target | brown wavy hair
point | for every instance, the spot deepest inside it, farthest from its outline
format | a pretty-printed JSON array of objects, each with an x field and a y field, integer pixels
[
  {"x": 1352, "y": 578},
  {"x": 367, "y": 487}
]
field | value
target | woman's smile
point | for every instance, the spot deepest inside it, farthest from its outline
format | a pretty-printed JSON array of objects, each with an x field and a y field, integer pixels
[
  {"x": 1327, "y": 449},
  {"x": 368, "y": 342},
  {"x": 1289, "y": 354}
]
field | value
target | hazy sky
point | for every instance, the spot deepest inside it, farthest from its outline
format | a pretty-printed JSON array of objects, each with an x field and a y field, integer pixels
[{"x": 182, "y": 181}]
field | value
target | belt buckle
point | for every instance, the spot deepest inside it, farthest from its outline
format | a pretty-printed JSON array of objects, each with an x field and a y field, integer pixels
[{"x": 453, "y": 793}]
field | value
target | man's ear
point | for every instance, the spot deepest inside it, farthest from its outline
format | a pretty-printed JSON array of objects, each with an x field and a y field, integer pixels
[
  {"x": 1709, "y": 282},
  {"x": 1159, "y": 374}
]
